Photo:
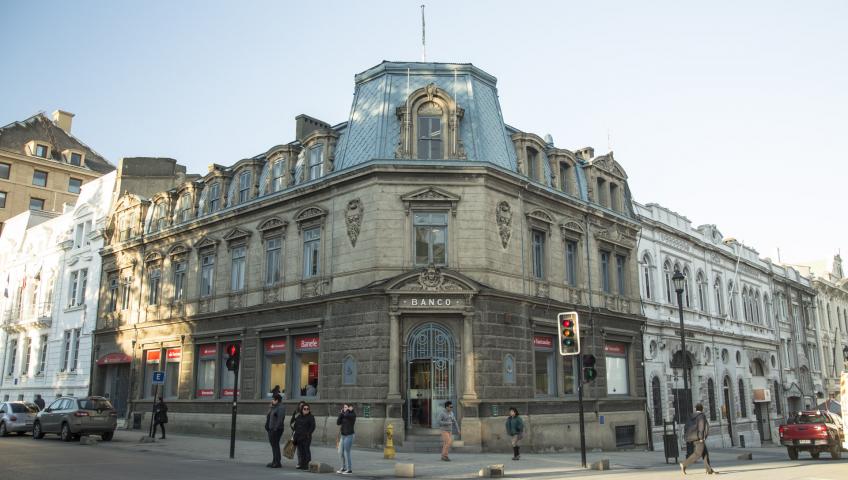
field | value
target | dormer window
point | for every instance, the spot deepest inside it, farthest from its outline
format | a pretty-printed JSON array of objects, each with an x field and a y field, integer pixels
[
  {"x": 244, "y": 186},
  {"x": 185, "y": 208},
  {"x": 430, "y": 131},
  {"x": 532, "y": 163},
  {"x": 76, "y": 159},
  {"x": 316, "y": 162},
  {"x": 278, "y": 175},
  {"x": 214, "y": 198},
  {"x": 41, "y": 150},
  {"x": 429, "y": 125}
]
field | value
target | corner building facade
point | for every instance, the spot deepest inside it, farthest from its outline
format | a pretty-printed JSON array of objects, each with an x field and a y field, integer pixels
[{"x": 417, "y": 253}]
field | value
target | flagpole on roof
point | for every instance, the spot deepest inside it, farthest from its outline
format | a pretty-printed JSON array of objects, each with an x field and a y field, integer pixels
[{"x": 423, "y": 36}]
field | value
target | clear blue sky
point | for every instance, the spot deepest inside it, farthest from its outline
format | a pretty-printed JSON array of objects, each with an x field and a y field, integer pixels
[{"x": 731, "y": 113}]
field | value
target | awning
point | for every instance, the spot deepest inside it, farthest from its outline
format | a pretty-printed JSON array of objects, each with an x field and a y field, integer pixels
[{"x": 113, "y": 358}]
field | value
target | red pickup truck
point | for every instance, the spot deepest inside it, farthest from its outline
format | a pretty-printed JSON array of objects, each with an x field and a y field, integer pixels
[{"x": 813, "y": 431}]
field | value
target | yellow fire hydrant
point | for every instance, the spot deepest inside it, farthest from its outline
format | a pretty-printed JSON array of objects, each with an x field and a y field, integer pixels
[{"x": 389, "y": 449}]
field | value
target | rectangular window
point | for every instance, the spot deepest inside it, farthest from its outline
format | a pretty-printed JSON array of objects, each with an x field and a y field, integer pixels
[
  {"x": 620, "y": 272},
  {"x": 172, "y": 372},
  {"x": 614, "y": 196},
  {"x": 274, "y": 370},
  {"x": 564, "y": 177},
  {"x": 185, "y": 207},
  {"x": 75, "y": 185},
  {"x": 78, "y": 234},
  {"x": 179, "y": 279},
  {"x": 27, "y": 356},
  {"x": 431, "y": 230},
  {"x": 601, "y": 194},
  {"x": 545, "y": 371},
  {"x": 214, "y": 197},
  {"x": 77, "y": 285},
  {"x": 228, "y": 378},
  {"x": 316, "y": 162},
  {"x": 41, "y": 150},
  {"x": 206, "y": 360},
  {"x": 273, "y": 256},
  {"x": 207, "y": 275},
  {"x": 75, "y": 359},
  {"x": 76, "y": 159},
  {"x": 532, "y": 168},
  {"x": 66, "y": 350},
  {"x": 306, "y": 365},
  {"x": 2, "y": 199},
  {"x": 571, "y": 262},
  {"x": 429, "y": 137},
  {"x": 42, "y": 355},
  {"x": 311, "y": 252},
  {"x": 5, "y": 170},
  {"x": 125, "y": 292},
  {"x": 112, "y": 304},
  {"x": 154, "y": 280},
  {"x": 278, "y": 175},
  {"x": 616, "y": 368},
  {"x": 13, "y": 355},
  {"x": 244, "y": 186},
  {"x": 39, "y": 178},
  {"x": 538, "y": 254},
  {"x": 36, "y": 203},
  {"x": 605, "y": 271},
  {"x": 151, "y": 364},
  {"x": 237, "y": 270}
]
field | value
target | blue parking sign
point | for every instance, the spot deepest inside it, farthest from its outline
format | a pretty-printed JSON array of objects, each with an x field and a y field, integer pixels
[{"x": 158, "y": 378}]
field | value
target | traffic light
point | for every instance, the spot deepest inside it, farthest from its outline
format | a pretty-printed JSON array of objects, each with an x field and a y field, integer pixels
[
  {"x": 569, "y": 333},
  {"x": 589, "y": 372},
  {"x": 233, "y": 356}
]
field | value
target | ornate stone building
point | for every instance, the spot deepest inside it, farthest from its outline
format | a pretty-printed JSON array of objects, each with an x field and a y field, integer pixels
[
  {"x": 832, "y": 299},
  {"x": 417, "y": 253}
]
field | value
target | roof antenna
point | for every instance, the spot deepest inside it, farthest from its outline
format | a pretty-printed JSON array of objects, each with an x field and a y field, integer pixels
[{"x": 423, "y": 36}]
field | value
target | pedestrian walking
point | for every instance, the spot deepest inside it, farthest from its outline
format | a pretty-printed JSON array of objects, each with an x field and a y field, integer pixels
[
  {"x": 347, "y": 417},
  {"x": 160, "y": 416},
  {"x": 696, "y": 431},
  {"x": 39, "y": 401},
  {"x": 515, "y": 430},
  {"x": 447, "y": 423},
  {"x": 304, "y": 425},
  {"x": 275, "y": 422}
]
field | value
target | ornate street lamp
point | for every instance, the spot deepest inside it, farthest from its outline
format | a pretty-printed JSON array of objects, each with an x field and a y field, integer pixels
[{"x": 679, "y": 285}]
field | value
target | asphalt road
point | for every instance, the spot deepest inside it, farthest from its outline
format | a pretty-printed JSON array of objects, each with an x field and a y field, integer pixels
[{"x": 21, "y": 458}]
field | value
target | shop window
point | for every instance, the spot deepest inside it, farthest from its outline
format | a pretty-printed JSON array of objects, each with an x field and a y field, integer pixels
[
  {"x": 207, "y": 356},
  {"x": 431, "y": 230},
  {"x": 545, "y": 371},
  {"x": 349, "y": 371},
  {"x": 306, "y": 365},
  {"x": 172, "y": 372},
  {"x": 616, "y": 368},
  {"x": 151, "y": 364},
  {"x": 228, "y": 378},
  {"x": 275, "y": 365}
]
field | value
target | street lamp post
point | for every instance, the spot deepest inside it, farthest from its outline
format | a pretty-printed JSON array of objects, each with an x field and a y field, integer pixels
[{"x": 679, "y": 284}]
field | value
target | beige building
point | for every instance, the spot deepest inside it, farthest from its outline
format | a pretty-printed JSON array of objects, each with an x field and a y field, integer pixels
[{"x": 43, "y": 166}]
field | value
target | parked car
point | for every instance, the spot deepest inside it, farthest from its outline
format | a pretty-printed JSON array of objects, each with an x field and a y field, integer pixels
[
  {"x": 70, "y": 417},
  {"x": 17, "y": 417},
  {"x": 813, "y": 431}
]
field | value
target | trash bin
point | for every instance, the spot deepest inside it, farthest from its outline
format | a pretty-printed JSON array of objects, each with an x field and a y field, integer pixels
[
  {"x": 137, "y": 421},
  {"x": 670, "y": 448}
]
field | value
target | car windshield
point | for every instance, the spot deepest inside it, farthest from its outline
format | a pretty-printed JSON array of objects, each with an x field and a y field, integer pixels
[
  {"x": 95, "y": 404},
  {"x": 811, "y": 419},
  {"x": 23, "y": 408}
]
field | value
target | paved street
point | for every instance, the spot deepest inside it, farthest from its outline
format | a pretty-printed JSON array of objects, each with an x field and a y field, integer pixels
[{"x": 188, "y": 457}]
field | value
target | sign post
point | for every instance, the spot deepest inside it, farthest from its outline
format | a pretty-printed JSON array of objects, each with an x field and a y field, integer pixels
[{"x": 158, "y": 379}]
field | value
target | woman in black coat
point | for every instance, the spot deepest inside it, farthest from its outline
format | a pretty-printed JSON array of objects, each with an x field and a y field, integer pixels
[
  {"x": 304, "y": 425},
  {"x": 160, "y": 417}
]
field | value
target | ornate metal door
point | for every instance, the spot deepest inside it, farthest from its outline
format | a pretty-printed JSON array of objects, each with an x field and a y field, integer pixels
[{"x": 433, "y": 344}]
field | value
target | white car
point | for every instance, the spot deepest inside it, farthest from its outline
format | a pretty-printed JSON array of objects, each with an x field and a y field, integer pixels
[{"x": 17, "y": 417}]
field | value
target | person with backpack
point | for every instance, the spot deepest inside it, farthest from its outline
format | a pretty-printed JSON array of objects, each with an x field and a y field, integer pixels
[
  {"x": 515, "y": 430},
  {"x": 696, "y": 432}
]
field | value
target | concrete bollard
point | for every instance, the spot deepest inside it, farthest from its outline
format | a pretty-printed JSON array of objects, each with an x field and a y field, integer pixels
[
  {"x": 745, "y": 456},
  {"x": 600, "y": 465},
  {"x": 88, "y": 440},
  {"x": 492, "y": 471},
  {"x": 405, "y": 470},
  {"x": 319, "y": 467}
]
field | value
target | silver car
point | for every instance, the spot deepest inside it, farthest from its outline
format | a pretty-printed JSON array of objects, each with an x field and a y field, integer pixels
[
  {"x": 70, "y": 417},
  {"x": 17, "y": 417}
]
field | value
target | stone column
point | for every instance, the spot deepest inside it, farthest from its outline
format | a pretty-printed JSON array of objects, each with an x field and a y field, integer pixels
[
  {"x": 468, "y": 392},
  {"x": 394, "y": 356}
]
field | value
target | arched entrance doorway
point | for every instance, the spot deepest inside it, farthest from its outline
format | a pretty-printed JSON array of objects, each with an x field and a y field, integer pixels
[
  {"x": 728, "y": 408},
  {"x": 431, "y": 374}
]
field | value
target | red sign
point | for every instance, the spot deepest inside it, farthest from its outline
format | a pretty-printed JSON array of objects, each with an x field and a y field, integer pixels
[
  {"x": 205, "y": 392},
  {"x": 208, "y": 350},
  {"x": 275, "y": 345},
  {"x": 113, "y": 358},
  {"x": 614, "y": 348},
  {"x": 228, "y": 392},
  {"x": 173, "y": 354},
  {"x": 543, "y": 342},
  {"x": 305, "y": 344},
  {"x": 153, "y": 356}
]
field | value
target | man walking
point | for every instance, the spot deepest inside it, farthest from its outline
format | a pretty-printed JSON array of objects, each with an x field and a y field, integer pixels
[
  {"x": 39, "y": 401},
  {"x": 697, "y": 430},
  {"x": 447, "y": 422}
]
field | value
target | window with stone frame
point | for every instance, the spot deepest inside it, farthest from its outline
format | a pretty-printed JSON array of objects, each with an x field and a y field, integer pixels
[
  {"x": 544, "y": 368},
  {"x": 244, "y": 186},
  {"x": 566, "y": 171},
  {"x": 278, "y": 174},
  {"x": 718, "y": 291},
  {"x": 238, "y": 261},
  {"x": 273, "y": 260},
  {"x": 42, "y": 355},
  {"x": 687, "y": 295},
  {"x": 312, "y": 252},
  {"x": 533, "y": 166},
  {"x": 77, "y": 286},
  {"x": 179, "y": 265},
  {"x": 315, "y": 167},
  {"x": 126, "y": 288},
  {"x": 572, "y": 257},
  {"x": 430, "y": 122},
  {"x": 667, "y": 273},
  {"x": 157, "y": 217},
  {"x": 606, "y": 284},
  {"x": 539, "y": 257},
  {"x": 430, "y": 233},
  {"x": 601, "y": 193},
  {"x": 213, "y": 198},
  {"x": 430, "y": 133},
  {"x": 621, "y": 274},
  {"x": 701, "y": 282},
  {"x": 207, "y": 273},
  {"x": 711, "y": 398},
  {"x": 154, "y": 283},
  {"x": 731, "y": 299},
  {"x": 185, "y": 208},
  {"x": 647, "y": 285},
  {"x": 656, "y": 401},
  {"x": 112, "y": 285},
  {"x": 743, "y": 404}
]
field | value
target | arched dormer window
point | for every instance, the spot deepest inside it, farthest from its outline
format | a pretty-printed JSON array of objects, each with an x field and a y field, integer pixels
[
  {"x": 213, "y": 198},
  {"x": 315, "y": 167},
  {"x": 158, "y": 217},
  {"x": 533, "y": 166},
  {"x": 567, "y": 179},
  {"x": 184, "y": 208},
  {"x": 244, "y": 186},
  {"x": 429, "y": 125}
]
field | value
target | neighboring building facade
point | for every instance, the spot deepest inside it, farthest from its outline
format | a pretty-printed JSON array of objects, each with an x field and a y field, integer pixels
[
  {"x": 43, "y": 166},
  {"x": 415, "y": 254},
  {"x": 731, "y": 332},
  {"x": 53, "y": 271},
  {"x": 832, "y": 300}
]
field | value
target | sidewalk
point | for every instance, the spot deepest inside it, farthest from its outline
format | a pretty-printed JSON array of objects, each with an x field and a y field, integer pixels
[{"x": 370, "y": 463}]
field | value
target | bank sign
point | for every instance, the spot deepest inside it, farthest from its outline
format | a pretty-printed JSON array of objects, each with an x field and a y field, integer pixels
[{"x": 435, "y": 302}]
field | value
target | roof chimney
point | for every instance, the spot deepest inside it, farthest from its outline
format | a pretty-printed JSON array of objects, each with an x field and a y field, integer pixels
[
  {"x": 63, "y": 120},
  {"x": 586, "y": 153}
]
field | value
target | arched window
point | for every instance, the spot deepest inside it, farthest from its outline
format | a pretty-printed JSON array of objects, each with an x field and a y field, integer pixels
[
  {"x": 667, "y": 277},
  {"x": 719, "y": 296},
  {"x": 702, "y": 291},
  {"x": 656, "y": 400},
  {"x": 711, "y": 398},
  {"x": 743, "y": 405},
  {"x": 745, "y": 304},
  {"x": 767, "y": 309},
  {"x": 157, "y": 218},
  {"x": 687, "y": 298},
  {"x": 646, "y": 277},
  {"x": 731, "y": 299},
  {"x": 757, "y": 319},
  {"x": 728, "y": 398},
  {"x": 429, "y": 135}
]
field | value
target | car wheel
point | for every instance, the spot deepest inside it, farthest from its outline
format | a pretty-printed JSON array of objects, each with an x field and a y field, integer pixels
[
  {"x": 66, "y": 434},
  {"x": 836, "y": 451},
  {"x": 37, "y": 434},
  {"x": 3, "y": 431},
  {"x": 107, "y": 436},
  {"x": 815, "y": 455},
  {"x": 793, "y": 453}
]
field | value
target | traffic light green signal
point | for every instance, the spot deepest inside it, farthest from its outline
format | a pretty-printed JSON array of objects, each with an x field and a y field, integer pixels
[
  {"x": 569, "y": 333},
  {"x": 589, "y": 372}
]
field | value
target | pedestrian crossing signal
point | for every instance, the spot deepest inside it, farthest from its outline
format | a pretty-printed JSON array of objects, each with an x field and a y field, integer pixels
[
  {"x": 233, "y": 356},
  {"x": 569, "y": 333}
]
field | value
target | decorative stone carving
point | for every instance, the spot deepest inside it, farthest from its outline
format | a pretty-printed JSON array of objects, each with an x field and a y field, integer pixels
[
  {"x": 439, "y": 103},
  {"x": 353, "y": 220},
  {"x": 271, "y": 295},
  {"x": 314, "y": 288},
  {"x": 430, "y": 196},
  {"x": 503, "y": 215},
  {"x": 205, "y": 305},
  {"x": 542, "y": 289},
  {"x": 431, "y": 279},
  {"x": 237, "y": 300}
]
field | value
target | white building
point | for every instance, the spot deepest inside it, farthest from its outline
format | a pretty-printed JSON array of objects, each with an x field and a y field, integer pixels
[
  {"x": 52, "y": 269},
  {"x": 731, "y": 334},
  {"x": 832, "y": 301}
]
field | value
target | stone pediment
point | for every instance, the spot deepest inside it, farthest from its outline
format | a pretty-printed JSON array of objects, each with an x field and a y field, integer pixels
[
  {"x": 571, "y": 226},
  {"x": 617, "y": 235},
  {"x": 432, "y": 279},
  {"x": 431, "y": 195},
  {"x": 608, "y": 164},
  {"x": 178, "y": 249},
  {"x": 206, "y": 242},
  {"x": 153, "y": 257},
  {"x": 236, "y": 234},
  {"x": 272, "y": 224},
  {"x": 541, "y": 216},
  {"x": 309, "y": 214}
]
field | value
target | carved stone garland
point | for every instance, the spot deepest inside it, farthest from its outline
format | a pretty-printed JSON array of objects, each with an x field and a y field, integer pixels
[
  {"x": 353, "y": 220},
  {"x": 504, "y": 218}
]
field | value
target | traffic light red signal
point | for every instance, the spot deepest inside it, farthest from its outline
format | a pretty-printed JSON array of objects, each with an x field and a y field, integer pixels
[
  {"x": 569, "y": 333},
  {"x": 233, "y": 356}
]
